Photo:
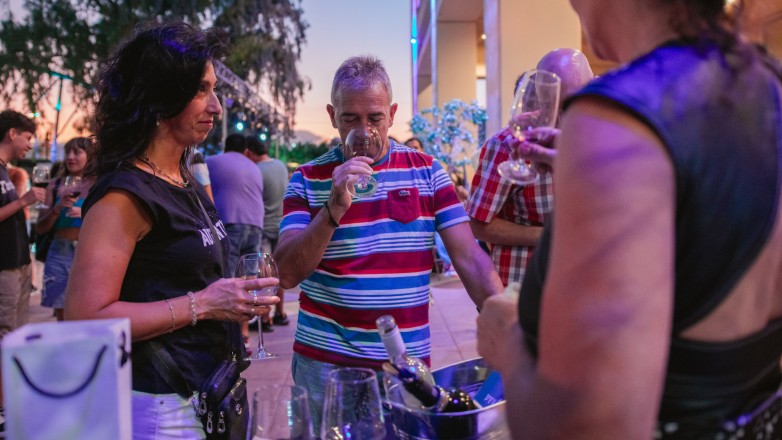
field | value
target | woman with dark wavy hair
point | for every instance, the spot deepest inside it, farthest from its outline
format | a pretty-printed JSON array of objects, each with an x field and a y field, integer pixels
[
  {"x": 147, "y": 250},
  {"x": 657, "y": 312}
]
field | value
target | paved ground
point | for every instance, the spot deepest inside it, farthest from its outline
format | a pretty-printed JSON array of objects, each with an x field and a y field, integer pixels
[{"x": 452, "y": 319}]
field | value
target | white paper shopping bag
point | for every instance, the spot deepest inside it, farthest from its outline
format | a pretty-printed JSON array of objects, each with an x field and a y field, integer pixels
[{"x": 68, "y": 380}]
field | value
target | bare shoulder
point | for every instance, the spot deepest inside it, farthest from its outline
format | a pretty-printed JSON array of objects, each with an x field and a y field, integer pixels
[{"x": 120, "y": 211}]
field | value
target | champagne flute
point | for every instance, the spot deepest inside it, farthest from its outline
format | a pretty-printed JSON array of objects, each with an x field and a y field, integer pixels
[
  {"x": 363, "y": 142},
  {"x": 258, "y": 265},
  {"x": 41, "y": 178},
  {"x": 280, "y": 412},
  {"x": 535, "y": 105}
]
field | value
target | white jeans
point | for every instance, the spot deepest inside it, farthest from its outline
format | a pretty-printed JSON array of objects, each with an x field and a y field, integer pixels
[{"x": 164, "y": 416}]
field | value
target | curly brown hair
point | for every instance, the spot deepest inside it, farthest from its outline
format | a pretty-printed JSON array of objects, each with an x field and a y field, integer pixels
[{"x": 153, "y": 75}]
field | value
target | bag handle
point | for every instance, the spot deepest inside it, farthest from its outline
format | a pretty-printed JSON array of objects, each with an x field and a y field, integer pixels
[
  {"x": 66, "y": 394},
  {"x": 160, "y": 357},
  {"x": 168, "y": 369}
]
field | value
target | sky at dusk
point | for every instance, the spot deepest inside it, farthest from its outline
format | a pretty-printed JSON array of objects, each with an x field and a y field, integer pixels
[
  {"x": 338, "y": 29},
  {"x": 343, "y": 28}
]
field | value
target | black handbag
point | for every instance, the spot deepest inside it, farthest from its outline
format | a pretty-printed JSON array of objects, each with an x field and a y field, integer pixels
[
  {"x": 221, "y": 403},
  {"x": 42, "y": 243}
]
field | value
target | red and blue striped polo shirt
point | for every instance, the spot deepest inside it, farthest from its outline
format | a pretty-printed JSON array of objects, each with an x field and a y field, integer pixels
[{"x": 378, "y": 260}]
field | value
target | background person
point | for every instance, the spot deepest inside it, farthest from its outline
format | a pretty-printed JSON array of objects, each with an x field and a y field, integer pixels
[
  {"x": 146, "y": 251},
  {"x": 200, "y": 172},
  {"x": 64, "y": 217},
  {"x": 506, "y": 216},
  {"x": 275, "y": 179},
  {"x": 415, "y": 144},
  {"x": 237, "y": 186},
  {"x": 16, "y": 282},
  {"x": 358, "y": 259},
  {"x": 657, "y": 312},
  {"x": 16, "y": 131}
]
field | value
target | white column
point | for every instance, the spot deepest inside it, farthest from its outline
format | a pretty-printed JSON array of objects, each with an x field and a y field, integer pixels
[
  {"x": 518, "y": 34},
  {"x": 456, "y": 60}
]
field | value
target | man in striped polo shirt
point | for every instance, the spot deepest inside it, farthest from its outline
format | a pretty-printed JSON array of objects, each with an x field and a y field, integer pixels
[{"x": 360, "y": 258}]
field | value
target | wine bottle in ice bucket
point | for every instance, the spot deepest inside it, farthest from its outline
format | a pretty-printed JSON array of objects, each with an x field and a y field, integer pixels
[
  {"x": 397, "y": 355},
  {"x": 421, "y": 392}
]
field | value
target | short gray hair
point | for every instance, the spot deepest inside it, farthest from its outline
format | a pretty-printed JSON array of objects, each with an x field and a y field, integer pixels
[{"x": 359, "y": 73}]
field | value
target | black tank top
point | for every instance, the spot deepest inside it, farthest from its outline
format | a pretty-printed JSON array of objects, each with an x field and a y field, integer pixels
[
  {"x": 176, "y": 256},
  {"x": 14, "y": 241},
  {"x": 718, "y": 117}
]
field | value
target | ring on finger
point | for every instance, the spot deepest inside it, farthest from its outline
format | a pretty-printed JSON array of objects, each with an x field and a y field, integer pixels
[
  {"x": 252, "y": 310},
  {"x": 255, "y": 299}
]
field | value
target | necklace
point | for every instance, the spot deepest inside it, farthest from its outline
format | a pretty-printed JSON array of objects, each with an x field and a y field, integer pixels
[{"x": 144, "y": 158}]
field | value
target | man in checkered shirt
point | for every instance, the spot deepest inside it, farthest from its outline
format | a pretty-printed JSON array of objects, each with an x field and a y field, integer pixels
[{"x": 509, "y": 217}]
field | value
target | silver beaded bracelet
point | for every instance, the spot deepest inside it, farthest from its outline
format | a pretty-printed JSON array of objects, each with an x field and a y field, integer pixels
[{"x": 194, "y": 321}]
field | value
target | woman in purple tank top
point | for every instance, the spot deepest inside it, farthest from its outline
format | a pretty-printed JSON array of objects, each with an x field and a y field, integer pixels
[{"x": 657, "y": 312}]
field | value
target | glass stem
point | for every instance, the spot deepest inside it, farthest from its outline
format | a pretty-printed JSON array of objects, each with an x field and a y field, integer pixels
[{"x": 260, "y": 335}]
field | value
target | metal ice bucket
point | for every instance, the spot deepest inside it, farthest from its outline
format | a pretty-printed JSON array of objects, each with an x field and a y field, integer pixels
[{"x": 484, "y": 423}]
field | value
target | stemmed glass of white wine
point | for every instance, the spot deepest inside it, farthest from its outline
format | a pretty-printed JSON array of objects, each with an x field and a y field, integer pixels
[
  {"x": 363, "y": 142},
  {"x": 535, "y": 105},
  {"x": 258, "y": 265}
]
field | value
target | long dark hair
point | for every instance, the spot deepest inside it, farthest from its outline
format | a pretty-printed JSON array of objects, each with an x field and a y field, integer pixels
[
  {"x": 708, "y": 20},
  {"x": 78, "y": 143},
  {"x": 153, "y": 75}
]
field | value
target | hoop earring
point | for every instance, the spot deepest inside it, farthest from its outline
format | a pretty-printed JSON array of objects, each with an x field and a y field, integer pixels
[{"x": 157, "y": 122}]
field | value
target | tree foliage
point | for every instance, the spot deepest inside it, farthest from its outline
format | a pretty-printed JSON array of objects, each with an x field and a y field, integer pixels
[
  {"x": 301, "y": 153},
  {"x": 449, "y": 134},
  {"x": 71, "y": 37}
]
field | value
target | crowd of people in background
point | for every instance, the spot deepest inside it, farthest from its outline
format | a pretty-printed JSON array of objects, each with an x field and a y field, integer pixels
[{"x": 668, "y": 234}]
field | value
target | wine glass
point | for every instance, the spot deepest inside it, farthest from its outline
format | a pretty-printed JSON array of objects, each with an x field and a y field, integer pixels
[
  {"x": 41, "y": 178},
  {"x": 280, "y": 412},
  {"x": 71, "y": 186},
  {"x": 352, "y": 406},
  {"x": 363, "y": 142},
  {"x": 258, "y": 265},
  {"x": 535, "y": 105}
]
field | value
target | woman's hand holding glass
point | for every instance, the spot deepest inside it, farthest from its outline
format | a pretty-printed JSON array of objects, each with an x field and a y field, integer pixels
[
  {"x": 227, "y": 299},
  {"x": 65, "y": 200},
  {"x": 254, "y": 266},
  {"x": 535, "y": 106},
  {"x": 540, "y": 152}
]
